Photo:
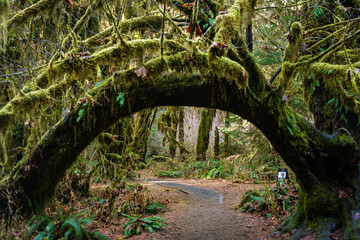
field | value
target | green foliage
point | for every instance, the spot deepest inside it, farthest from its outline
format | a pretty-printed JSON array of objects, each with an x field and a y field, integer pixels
[
  {"x": 156, "y": 207},
  {"x": 318, "y": 12},
  {"x": 217, "y": 172},
  {"x": 136, "y": 224},
  {"x": 61, "y": 226},
  {"x": 121, "y": 98},
  {"x": 275, "y": 201},
  {"x": 268, "y": 57},
  {"x": 171, "y": 174},
  {"x": 80, "y": 115}
]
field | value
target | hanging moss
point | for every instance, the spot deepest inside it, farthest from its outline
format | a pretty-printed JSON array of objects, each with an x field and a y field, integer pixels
[
  {"x": 126, "y": 26},
  {"x": 22, "y": 104},
  {"x": 340, "y": 80},
  {"x": 6, "y": 115},
  {"x": 34, "y": 10},
  {"x": 232, "y": 71}
]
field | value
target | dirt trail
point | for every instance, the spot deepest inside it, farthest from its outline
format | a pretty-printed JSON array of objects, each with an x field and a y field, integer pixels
[{"x": 200, "y": 213}]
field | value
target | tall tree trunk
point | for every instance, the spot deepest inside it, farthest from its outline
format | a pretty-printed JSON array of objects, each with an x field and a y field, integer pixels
[
  {"x": 216, "y": 142},
  {"x": 249, "y": 37},
  {"x": 173, "y": 129},
  {"x": 182, "y": 132},
  {"x": 226, "y": 135},
  {"x": 141, "y": 134},
  {"x": 202, "y": 143}
]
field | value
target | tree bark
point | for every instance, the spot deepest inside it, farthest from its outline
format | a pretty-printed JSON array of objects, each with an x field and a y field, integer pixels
[
  {"x": 202, "y": 143},
  {"x": 181, "y": 131},
  {"x": 225, "y": 151}
]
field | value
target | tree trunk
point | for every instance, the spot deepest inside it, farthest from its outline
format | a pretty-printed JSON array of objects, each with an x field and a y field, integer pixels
[
  {"x": 326, "y": 166},
  {"x": 182, "y": 132},
  {"x": 202, "y": 143},
  {"x": 225, "y": 151},
  {"x": 216, "y": 142}
]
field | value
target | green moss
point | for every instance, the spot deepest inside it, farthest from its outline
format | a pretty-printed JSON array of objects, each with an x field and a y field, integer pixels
[
  {"x": 295, "y": 44},
  {"x": 4, "y": 15},
  {"x": 320, "y": 203},
  {"x": 23, "y": 103},
  {"x": 32, "y": 11},
  {"x": 341, "y": 81},
  {"x": 6, "y": 115},
  {"x": 232, "y": 71},
  {"x": 202, "y": 143},
  {"x": 226, "y": 26}
]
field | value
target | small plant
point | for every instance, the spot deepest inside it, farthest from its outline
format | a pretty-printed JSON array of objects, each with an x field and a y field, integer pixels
[
  {"x": 135, "y": 224},
  {"x": 276, "y": 201},
  {"x": 214, "y": 173},
  {"x": 61, "y": 226},
  {"x": 156, "y": 207},
  {"x": 171, "y": 174}
]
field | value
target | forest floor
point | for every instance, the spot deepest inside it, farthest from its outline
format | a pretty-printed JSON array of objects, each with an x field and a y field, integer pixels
[{"x": 205, "y": 209}]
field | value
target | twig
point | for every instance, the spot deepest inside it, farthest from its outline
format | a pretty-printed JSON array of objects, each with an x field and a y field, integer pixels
[{"x": 113, "y": 20}]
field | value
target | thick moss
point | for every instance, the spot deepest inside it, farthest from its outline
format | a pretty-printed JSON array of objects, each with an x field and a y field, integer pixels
[
  {"x": 202, "y": 143},
  {"x": 32, "y": 11},
  {"x": 23, "y": 103}
]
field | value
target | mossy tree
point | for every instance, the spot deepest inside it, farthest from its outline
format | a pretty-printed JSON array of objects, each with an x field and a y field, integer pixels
[
  {"x": 203, "y": 138},
  {"x": 179, "y": 71}
]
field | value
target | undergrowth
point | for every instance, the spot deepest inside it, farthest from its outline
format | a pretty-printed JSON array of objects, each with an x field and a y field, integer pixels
[
  {"x": 236, "y": 168},
  {"x": 275, "y": 201}
]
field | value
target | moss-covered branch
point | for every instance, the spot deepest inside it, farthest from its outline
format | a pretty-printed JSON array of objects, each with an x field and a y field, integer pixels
[
  {"x": 146, "y": 22},
  {"x": 32, "y": 11},
  {"x": 80, "y": 65}
]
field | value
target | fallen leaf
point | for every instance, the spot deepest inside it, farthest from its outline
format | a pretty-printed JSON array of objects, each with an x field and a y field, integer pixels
[
  {"x": 141, "y": 72},
  {"x": 189, "y": 28},
  {"x": 70, "y": 2},
  {"x": 218, "y": 48},
  {"x": 112, "y": 70},
  {"x": 198, "y": 32},
  {"x": 188, "y": 5},
  {"x": 27, "y": 122}
]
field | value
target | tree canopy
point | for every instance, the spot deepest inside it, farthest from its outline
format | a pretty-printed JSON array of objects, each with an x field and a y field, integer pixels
[{"x": 71, "y": 69}]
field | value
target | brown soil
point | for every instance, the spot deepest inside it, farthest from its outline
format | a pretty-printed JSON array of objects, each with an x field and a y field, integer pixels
[{"x": 198, "y": 215}]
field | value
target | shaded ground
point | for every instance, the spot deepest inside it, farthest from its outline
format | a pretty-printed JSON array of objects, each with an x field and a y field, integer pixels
[{"x": 205, "y": 211}]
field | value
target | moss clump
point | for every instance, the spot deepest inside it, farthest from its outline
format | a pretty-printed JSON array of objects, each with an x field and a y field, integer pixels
[
  {"x": 341, "y": 80},
  {"x": 295, "y": 44},
  {"x": 34, "y": 10},
  {"x": 232, "y": 71},
  {"x": 226, "y": 26},
  {"x": 23, "y": 103},
  {"x": 5, "y": 117}
]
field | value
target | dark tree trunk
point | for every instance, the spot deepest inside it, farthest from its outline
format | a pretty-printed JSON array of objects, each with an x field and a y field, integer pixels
[
  {"x": 216, "y": 142},
  {"x": 181, "y": 131},
  {"x": 249, "y": 37},
  {"x": 202, "y": 143},
  {"x": 225, "y": 151}
]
